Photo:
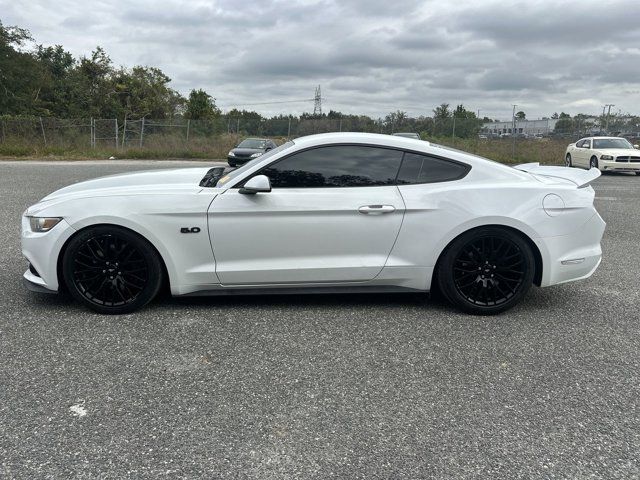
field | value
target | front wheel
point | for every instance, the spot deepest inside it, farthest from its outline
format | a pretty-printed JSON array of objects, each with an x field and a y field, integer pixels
[
  {"x": 567, "y": 160},
  {"x": 486, "y": 271},
  {"x": 593, "y": 163},
  {"x": 111, "y": 270},
  {"x": 638, "y": 173}
]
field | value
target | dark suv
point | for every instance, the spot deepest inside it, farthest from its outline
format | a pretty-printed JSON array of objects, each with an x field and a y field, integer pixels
[{"x": 248, "y": 149}]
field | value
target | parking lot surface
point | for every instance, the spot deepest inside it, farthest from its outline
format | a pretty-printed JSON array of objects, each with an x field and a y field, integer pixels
[{"x": 354, "y": 386}]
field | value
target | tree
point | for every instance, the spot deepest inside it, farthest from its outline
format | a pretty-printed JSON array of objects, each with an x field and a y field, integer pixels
[
  {"x": 442, "y": 112},
  {"x": 565, "y": 124},
  {"x": 21, "y": 76},
  {"x": 201, "y": 105},
  {"x": 520, "y": 115}
]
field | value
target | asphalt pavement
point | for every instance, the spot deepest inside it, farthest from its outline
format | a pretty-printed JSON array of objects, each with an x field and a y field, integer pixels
[{"x": 354, "y": 386}]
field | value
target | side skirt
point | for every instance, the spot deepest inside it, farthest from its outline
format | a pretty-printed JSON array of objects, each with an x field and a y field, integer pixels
[{"x": 302, "y": 290}]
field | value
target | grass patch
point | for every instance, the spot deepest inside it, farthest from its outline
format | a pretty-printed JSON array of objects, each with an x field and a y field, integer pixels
[{"x": 546, "y": 151}]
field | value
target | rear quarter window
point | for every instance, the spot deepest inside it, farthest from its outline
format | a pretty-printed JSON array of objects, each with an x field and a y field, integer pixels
[{"x": 418, "y": 168}]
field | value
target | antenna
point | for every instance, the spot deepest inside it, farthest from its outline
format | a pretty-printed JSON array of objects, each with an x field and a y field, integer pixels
[{"x": 317, "y": 103}]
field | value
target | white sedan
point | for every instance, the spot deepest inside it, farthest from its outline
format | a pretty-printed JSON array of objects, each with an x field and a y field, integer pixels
[
  {"x": 609, "y": 154},
  {"x": 340, "y": 212}
]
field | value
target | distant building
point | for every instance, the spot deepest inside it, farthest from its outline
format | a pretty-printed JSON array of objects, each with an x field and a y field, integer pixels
[{"x": 526, "y": 127}]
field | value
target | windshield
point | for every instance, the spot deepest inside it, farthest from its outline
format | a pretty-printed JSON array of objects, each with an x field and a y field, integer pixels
[
  {"x": 252, "y": 143},
  {"x": 238, "y": 171},
  {"x": 611, "y": 143}
]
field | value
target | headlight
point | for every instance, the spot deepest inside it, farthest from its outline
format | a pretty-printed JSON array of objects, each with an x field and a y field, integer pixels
[
  {"x": 606, "y": 157},
  {"x": 231, "y": 154},
  {"x": 43, "y": 224},
  {"x": 256, "y": 155}
]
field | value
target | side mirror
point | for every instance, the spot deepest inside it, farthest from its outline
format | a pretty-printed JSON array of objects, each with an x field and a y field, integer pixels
[
  {"x": 636, "y": 146},
  {"x": 259, "y": 183}
]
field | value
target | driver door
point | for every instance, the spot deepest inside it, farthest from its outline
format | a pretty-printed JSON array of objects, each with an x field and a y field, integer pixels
[{"x": 332, "y": 216}]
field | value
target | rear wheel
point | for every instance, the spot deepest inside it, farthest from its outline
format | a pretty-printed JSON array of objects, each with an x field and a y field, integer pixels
[
  {"x": 111, "y": 270},
  {"x": 567, "y": 160},
  {"x": 486, "y": 271},
  {"x": 637, "y": 173}
]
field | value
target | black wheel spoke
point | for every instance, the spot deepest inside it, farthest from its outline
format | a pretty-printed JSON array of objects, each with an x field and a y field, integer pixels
[
  {"x": 110, "y": 270},
  {"x": 489, "y": 270}
]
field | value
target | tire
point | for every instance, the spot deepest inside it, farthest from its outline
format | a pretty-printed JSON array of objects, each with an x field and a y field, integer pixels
[
  {"x": 567, "y": 161},
  {"x": 231, "y": 164},
  {"x": 593, "y": 163},
  {"x": 486, "y": 271},
  {"x": 638, "y": 173},
  {"x": 111, "y": 270}
]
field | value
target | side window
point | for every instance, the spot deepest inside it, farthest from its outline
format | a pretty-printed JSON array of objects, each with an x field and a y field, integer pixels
[
  {"x": 425, "y": 169},
  {"x": 579, "y": 144},
  {"x": 336, "y": 166},
  {"x": 586, "y": 144}
]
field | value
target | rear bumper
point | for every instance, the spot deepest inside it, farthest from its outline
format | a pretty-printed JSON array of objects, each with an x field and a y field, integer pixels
[
  {"x": 575, "y": 256},
  {"x": 611, "y": 166}
]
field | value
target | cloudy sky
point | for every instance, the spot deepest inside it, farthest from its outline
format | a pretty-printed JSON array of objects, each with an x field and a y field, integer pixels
[{"x": 369, "y": 56}]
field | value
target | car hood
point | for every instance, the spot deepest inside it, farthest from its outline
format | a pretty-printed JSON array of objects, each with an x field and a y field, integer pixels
[
  {"x": 148, "y": 181},
  {"x": 619, "y": 152},
  {"x": 247, "y": 151}
]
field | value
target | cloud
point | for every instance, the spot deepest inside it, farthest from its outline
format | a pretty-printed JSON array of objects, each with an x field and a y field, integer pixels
[{"x": 370, "y": 56}]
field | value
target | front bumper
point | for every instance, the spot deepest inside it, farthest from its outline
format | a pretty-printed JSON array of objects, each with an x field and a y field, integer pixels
[
  {"x": 572, "y": 257},
  {"x": 238, "y": 160},
  {"x": 613, "y": 166},
  {"x": 42, "y": 251}
]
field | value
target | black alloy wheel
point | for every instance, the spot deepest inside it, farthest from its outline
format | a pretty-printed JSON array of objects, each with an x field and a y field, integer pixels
[
  {"x": 487, "y": 270},
  {"x": 567, "y": 161},
  {"x": 111, "y": 270},
  {"x": 593, "y": 163}
]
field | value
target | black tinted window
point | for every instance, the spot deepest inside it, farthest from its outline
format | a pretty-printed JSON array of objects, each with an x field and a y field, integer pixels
[
  {"x": 337, "y": 166},
  {"x": 424, "y": 169}
]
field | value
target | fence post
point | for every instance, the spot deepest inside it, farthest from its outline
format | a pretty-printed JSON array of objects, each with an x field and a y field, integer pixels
[
  {"x": 124, "y": 131},
  {"x": 141, "y": 131},
  {"x": 453, "y": 134},
  {"x": 340, "y": 126},
  {"x": 44, "y": 137},
  {"x": 188, "y": 125},
  {"x": 116, "y": 124},
  {"x": 289, "y": 128},
  {"x": 238, "y": 126},
  {"x": 3, "y": 133},
  {"x": 91, "y": 132}
]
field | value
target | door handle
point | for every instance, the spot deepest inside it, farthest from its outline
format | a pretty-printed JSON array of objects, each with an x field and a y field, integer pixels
[{"x": 376, "y": 209}]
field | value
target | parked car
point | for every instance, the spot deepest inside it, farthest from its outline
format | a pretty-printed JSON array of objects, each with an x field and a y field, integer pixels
[
  {"x": 609, "y": 154},
  {"x": 338, "y": 212},
  {"x": 248, "y": 149},
  {"x": 407, "y": 135}
]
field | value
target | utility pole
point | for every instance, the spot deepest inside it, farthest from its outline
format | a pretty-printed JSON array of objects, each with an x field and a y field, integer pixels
[
  {"x": 513, "y": 133},
  {"x": 606, "y": 128}
]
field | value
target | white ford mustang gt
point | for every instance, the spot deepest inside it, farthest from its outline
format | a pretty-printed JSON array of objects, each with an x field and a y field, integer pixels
[{"x": 339, "y": 212}]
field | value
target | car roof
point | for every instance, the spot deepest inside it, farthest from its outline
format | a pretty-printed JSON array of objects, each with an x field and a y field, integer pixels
[
  {"x": 358, "y": 137},
  {"x": 602, "y": 138}
]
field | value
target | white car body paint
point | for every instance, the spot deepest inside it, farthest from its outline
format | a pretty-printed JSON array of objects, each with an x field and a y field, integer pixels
[{"x": 290, "y": 238}]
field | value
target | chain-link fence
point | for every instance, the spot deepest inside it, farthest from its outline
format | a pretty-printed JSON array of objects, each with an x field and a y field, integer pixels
[{"x": 540, "y": 140}]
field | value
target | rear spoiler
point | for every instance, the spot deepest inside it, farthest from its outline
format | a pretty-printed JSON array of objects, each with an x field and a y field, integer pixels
[{"x": 580, "y": 177}]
